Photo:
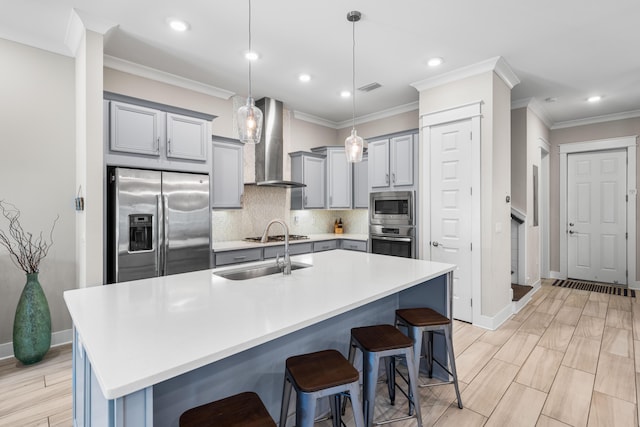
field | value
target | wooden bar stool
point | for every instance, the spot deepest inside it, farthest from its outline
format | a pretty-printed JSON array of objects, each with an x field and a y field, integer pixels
[
  {"x": 421, "y": 323},
  {"x": 379, "y": 342},
  {"x": 316, "y": 375},
  {"x": 241, "y": 410}
]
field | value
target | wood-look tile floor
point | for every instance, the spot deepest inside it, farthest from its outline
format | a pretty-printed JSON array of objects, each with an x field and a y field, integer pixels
[{"x": 568, "y": 358}]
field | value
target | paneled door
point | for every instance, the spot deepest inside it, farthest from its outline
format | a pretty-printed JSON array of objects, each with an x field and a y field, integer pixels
[
  {"x": 450, "y": 227},
  {"x": 597, "y": 216}
]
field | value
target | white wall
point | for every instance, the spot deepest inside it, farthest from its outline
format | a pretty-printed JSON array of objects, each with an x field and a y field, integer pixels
[
  {"x": 37, "y": 170},
  {"x": 495, "y": 169},
  {"x": 612, "y": 129}
]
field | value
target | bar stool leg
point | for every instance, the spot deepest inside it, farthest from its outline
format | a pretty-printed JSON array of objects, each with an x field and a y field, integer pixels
[
  {"x": 334, "y": 402},
  {"x": 390, "y": 368},
  {"x": 430, "y": 354},
  {"x": 305, "y": 410},
  {"x": 452, "y": 361},
  {"x": 417, "y": 336},
  {"x": 356, "y": 406},
  {"x": 286, "y": 397},
  {"x": 370, "y": 362},
  {"x": 413, "y": 385}
]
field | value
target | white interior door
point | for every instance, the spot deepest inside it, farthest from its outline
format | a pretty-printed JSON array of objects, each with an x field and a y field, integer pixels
[
  {"x": 597, "y": 216},
  {"x": 450, "y": 227}
]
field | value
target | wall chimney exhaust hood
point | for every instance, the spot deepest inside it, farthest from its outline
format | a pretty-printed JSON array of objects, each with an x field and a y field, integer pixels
[{"x": 269, "y": 152}]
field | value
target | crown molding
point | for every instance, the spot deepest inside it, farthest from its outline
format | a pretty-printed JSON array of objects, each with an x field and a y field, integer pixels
[
  {"x": 536, "y": 107},
  {"x": 164, "y": 77},
  {"x": 78, "y": 23},
  {"x": 497, "y": 64},
  {"x": 389, "y": 112},
  {"x": 596, "y": 119}
]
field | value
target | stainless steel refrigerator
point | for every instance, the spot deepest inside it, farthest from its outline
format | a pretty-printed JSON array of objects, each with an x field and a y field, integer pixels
[{"x": 158, "y": 223}]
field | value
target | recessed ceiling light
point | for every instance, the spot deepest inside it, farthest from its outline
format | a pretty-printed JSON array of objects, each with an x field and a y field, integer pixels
[
  {"x": 251, "y": 55},
  {"x": 304, "y": 77},
  {"x": 434, "y": 62},
  {"x": 178, "y": 24},
  {"x": 595, "y": 98},
  {"x": 345, "y": 94}
]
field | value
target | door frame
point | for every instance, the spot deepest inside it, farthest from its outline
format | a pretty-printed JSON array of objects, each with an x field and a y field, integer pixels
[
  {"x": 470, "y": 111},
  {"x": 625, "y": 142},
  {"x": 545, "y": 150}
]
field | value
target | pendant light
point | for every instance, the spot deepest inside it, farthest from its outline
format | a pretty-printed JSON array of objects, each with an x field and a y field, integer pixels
[
  {"x": 249, "y": 116},
  {"x": 353, "y": 144}
]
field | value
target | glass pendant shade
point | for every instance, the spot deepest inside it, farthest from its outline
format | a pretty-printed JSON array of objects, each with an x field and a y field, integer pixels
[
  {"x": 353, "y": 147},
  {"x": 249, "y": 123}
]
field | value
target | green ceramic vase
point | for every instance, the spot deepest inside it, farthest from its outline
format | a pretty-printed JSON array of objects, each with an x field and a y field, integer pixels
[{"x": 32, "y": 323}]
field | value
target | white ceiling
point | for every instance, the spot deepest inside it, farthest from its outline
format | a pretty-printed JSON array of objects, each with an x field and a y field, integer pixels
[{"x": 568, "y": 49}]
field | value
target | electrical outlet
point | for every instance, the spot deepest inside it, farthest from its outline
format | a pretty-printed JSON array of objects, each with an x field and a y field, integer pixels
[{"x": 296, "y": 219}]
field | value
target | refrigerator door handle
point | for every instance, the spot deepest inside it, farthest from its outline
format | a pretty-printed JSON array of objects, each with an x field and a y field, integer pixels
[
  {"x": 165, "y": 209},
  {"x": 159, "y": 236}
]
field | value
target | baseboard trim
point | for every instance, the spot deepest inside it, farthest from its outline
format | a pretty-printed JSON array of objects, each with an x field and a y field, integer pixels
[
  {"x": 556, "y": 275},
  {"x": 493, "y": 323},
  {"x": 57, "y": 338}
]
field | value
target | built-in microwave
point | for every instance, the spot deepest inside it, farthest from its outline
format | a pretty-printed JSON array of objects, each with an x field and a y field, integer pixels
[{"x": 392, "y": 208}]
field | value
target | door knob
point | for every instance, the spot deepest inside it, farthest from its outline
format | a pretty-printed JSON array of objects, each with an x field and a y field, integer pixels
[
  {"x": 571, "y": 224},
  {"x": 435, "y": 243},
  {"x": 571, "y": 231}
]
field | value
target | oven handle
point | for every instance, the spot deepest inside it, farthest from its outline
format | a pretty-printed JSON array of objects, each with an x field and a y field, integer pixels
[{"x": 393, "y": 239}]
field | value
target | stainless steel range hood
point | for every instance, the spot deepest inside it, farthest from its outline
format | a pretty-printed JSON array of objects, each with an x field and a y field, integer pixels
[{"x": 269, "y": 152}]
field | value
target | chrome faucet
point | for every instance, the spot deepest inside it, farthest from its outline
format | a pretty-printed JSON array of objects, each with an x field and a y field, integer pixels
[{"x": 286, "y": 263}]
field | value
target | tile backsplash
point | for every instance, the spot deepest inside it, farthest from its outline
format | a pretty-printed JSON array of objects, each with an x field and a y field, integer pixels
[{"x": 262, "y": 204}]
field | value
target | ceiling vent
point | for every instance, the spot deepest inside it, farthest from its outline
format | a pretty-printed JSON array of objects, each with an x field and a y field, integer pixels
[{"x": 370, "y": 87}]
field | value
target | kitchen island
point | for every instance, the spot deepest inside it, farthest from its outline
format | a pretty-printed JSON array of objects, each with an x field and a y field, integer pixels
[{"x": 145, "y": 351}]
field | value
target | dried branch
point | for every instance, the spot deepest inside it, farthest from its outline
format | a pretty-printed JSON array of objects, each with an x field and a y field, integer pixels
[{"x": 25, "y": 249}]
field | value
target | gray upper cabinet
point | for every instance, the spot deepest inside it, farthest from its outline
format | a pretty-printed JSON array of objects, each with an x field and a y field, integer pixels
[
  {"x": 135, "y": 129},
  {"x": 138, "y": 129},
  {"x": 227, "y": 182},
  {"x": 308, "y": 168},
  {"x": 392, "y": 163},
  {"x": 361, "y": 183},
  {"x": 339, "y": 177},
  {"x": 186, "y": 137}
]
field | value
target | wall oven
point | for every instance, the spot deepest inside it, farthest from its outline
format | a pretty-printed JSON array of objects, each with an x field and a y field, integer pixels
[
  {"x": 392, "y": 228},
  {"x": 394, "y": 240}
]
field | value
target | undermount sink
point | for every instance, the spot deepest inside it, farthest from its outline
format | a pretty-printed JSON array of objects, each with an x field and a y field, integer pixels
[{"x": 257, "y": 271}]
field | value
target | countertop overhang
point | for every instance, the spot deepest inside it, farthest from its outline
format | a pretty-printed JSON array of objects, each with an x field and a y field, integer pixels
[{"x": 137, "y": 334}]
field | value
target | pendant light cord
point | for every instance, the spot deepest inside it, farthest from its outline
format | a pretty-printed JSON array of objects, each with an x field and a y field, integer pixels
[
  {"x": 249, "y": 48},
  {"x": 354, "y": 73}
]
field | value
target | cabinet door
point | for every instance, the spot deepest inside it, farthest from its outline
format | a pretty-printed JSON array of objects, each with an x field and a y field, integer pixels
[
  {"x": 401, "y": 149},
  {"x": 361, "y": 184},
  {"x": 339, "y": 180},
  {"x": 135, "y": 129},
  {"x": 379, "y": 164},
  {"x": 227, "y": 175},
  {"x": 186, "y": 137},
  {"x": 314, "y": 177}
]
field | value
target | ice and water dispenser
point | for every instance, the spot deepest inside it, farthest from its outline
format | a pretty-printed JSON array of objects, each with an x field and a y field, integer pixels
[{"x": 140, "y": 232}]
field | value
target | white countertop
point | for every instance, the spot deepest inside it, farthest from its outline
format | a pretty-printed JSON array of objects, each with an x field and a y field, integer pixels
[
  {"x": 140, "y": 333},
  {"x": 231, "y": 245}
]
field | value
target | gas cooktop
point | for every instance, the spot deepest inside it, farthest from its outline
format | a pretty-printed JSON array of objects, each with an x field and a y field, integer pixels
[{"x": 277, "y": 238}]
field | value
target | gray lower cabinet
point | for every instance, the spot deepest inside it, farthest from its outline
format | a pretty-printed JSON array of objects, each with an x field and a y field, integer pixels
[
  {"x": 325, "y": 245},
  {"x": 296, "y": 249},
  {"x": 238, "y": 256},
  {"x": 354, "y": 245}
]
